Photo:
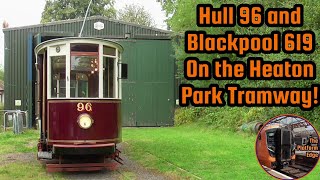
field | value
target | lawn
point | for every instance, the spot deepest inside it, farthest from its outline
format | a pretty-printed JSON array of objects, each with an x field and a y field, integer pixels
[
  {"x": 197, "y": 152},
  {"x": 190, "y": 152},
  {"x": 22, "y": 165},
  {"x": 18, "y": 143}
]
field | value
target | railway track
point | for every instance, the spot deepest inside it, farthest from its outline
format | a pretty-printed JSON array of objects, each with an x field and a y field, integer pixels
[{"x": 295, "y": 171}]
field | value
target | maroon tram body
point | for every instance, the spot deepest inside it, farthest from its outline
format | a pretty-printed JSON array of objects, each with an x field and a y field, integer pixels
[
  {"x": 78, "y": 103},
  {"x": 63, "y": 128}
]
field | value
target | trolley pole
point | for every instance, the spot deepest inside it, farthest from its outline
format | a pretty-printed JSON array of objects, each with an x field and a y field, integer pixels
[{"x": 85, "y": 18}]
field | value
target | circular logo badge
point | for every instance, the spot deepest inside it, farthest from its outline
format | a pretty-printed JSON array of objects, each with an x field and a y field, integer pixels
[{"x": 287, "y": 147}]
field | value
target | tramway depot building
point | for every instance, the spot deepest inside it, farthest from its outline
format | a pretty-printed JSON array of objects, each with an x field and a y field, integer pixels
[{"x": 148, "y": 95}]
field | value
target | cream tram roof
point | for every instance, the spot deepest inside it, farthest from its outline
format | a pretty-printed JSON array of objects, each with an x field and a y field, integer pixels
[{"x": 89, "y": 40}]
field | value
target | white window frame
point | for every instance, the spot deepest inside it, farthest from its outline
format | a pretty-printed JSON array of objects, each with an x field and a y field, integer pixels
[
  {"x": 117, "y": 70},
  {"x": 119, "y": 80},
  {"x": 49, "y": 77},
  {"x": 68, "y": 69}
]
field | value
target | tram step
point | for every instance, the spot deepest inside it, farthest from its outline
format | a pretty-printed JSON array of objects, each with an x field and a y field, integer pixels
[{"x": 45, "y": 155}]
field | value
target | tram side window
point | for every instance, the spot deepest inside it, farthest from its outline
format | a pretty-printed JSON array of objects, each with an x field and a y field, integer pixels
[
  {"x": 84, "y": 76},
  {"x": 58, "y": 74},
  {"x": 108, "y": 77}
]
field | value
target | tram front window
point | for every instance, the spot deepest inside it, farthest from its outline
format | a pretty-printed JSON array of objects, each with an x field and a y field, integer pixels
[
  {"x": 88, "y": 73},
  {"x": 84, "y": 76},
  {"x": 58, "y": 81}
]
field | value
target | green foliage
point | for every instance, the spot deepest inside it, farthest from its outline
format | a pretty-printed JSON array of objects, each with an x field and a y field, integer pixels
[
  {"x": 136, "y": 14},
  {"x": 181, "y": 16},
  {"x": 186, "y": 115},
  {"x": 232, "y": 118},
  {"x": 55, "y": 10},
  {"x": 226, "y": 118}
]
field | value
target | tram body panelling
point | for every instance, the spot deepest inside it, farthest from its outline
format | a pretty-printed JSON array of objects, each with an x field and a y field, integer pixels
[{"x": 62, "y": 126}]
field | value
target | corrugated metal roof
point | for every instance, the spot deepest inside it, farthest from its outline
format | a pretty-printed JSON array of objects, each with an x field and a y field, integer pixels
[{"x": 89, "y": 18}]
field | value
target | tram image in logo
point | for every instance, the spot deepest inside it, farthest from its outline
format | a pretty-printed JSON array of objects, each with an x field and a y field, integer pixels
[
  {"x": 78, "y": 98},
  {"x": 287, "y": 147},
  {"x": 279, "y": 147}
]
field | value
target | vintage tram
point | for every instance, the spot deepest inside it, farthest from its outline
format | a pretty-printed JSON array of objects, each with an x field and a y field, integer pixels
[{"x": 78, "y": 100}]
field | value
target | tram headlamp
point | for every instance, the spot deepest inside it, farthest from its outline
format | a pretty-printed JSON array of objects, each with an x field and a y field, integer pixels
[{"x": 85, "y": 121}]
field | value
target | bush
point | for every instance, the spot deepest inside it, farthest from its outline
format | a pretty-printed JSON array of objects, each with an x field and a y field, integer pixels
[
  {"x": 186, "y": 115},
  {"x": 226, "y": 117},
  {"x": 216, "y": 117},
  {"x": 232, "y": 118}
]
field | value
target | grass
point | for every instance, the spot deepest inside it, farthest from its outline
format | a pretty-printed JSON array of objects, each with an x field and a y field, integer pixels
[
  {"x": 18, "y": 143},
  {"x": 15, "y": 144},
  {"x": 199, "y": 151},
  {"x": 188, "y": 152},
  {"x": 25, "y": 171}
]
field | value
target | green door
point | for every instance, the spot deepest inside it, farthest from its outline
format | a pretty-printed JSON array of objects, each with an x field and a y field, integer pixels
[
  {"x": 148, "y": 93},
  {"x": 129, "y": 108}
]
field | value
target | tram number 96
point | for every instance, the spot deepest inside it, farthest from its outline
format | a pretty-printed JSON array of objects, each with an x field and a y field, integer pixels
[{"x": 82, "y": 107}]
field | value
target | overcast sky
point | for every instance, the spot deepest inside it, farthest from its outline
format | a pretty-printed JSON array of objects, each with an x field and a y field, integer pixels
[{"x": 28, "y": 12}]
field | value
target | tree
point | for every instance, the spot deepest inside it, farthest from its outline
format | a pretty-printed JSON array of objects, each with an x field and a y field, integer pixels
[
  {"x": 181, "y": 17},
  {"x": 136, "y": 14},
  {"x": 55, "y": 10}
]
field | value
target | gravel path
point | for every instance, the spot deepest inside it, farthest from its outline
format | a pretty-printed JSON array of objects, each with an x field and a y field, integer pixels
[
  {"x": 129, "y": 170},
  {"x": 17, "y": 157}
]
